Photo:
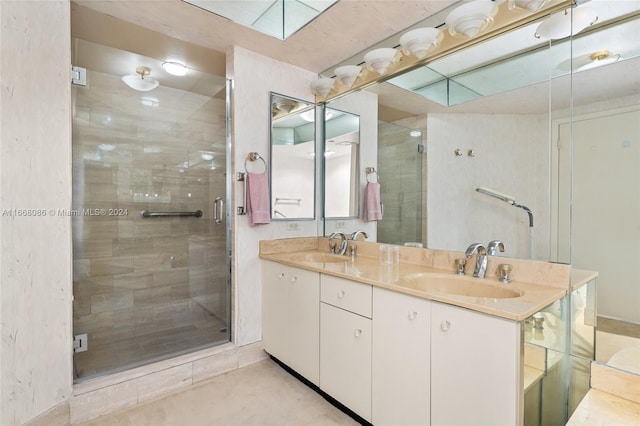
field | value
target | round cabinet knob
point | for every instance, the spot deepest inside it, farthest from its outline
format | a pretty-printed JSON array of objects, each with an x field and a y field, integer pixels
[
  {"x": 412, "y": 315},
  {"x": 357, "y": 332},
  {"x": 281, "y": 275},
  {"x": 340, "y": 294},
  {"x": 445, "y": 325},
  {"x": 294, "y": 279}
]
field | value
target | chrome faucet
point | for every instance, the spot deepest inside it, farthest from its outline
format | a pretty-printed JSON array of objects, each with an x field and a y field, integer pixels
[
  {"x": 493, "y": 246},
  {"x": 355, "y": 234},
  {"x": 481, "y": 261},
  {"x": 333, "y": 248}
]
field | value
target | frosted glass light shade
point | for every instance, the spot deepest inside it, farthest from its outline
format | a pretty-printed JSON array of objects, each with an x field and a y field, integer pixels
[
  {"x": 322, "y": 86},
  {"x": 420, "y": 41},
  {"x": 530, "y": 5},
  {"x": 559, "y": 25},
  {"x": 599, "y": 59},
  {"x": 138, "y": 82},
  {"x": 175, "y": 68},
  {"x": 378, "y": 60},
  {"x": 347, "y": 74},
  {"x": 471, "y": 18}
]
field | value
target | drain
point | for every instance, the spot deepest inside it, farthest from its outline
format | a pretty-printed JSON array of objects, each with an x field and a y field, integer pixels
[{"x": 222, "y": 330}]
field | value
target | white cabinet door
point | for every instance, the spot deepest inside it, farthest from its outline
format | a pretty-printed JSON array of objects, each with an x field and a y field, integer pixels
[
  {"x": 476, "y": 375},
  {"x": 345, "y": 358},
  {"x": 400, "y": 359},
  {"x": 291, "y": 317}
]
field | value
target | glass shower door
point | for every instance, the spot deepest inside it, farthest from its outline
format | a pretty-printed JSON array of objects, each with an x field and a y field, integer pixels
[
  {"x": 400, "y": 170},
  {"x": 147, "y": 286}
]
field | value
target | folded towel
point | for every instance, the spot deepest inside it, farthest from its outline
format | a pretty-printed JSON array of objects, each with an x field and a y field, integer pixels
[
  {"x": 372, "y": 207},
  {"x": 258, "y": 205}
]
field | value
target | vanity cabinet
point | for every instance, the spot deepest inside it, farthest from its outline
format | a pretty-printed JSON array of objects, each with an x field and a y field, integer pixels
[
  {"x": 476, "y": 376},
  {"x": 345, "y": 343},
  {"x": 392, "y": 358},
  {"x": 291, "y": 317},
  {"x": 400, "y": 359}
]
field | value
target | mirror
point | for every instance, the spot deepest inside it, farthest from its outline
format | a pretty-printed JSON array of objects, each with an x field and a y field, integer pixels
[
  {"x": 341, "y": 163},
  {"x": 585, "y": 218},
  {"x": 292, "y": 159}
]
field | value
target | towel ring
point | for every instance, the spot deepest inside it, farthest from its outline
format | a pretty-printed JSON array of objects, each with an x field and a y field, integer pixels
[
  {"x": 370, "y": 171},
  {"x": 253, "y": 156}
]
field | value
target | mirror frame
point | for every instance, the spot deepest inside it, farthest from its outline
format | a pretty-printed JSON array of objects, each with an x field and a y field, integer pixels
[{"x": 310, "y": 106}]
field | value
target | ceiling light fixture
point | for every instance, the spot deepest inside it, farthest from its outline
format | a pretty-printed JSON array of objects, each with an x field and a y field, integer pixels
[
  {"x": 530, "y": 5},
  {"x": 285, "y": 105},
  {"x": 420, "y": 41},
  {"x": 348, "y": 74},
  {"x": 565, "y": 23},
  {"x": 322, "y": 86},
  {"x": 415, "y": 133},
  {"x": 471, "y": 18},
  {"x": 206, "y": 156},
  {"x": 138, "y": 82},
  {"x": 378, "y": 60},
  {"x": 175, "y": 68},
  {"x": 599, "y": 59}
]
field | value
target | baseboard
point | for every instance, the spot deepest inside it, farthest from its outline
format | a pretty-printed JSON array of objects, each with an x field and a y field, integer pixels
[{"x": 323, "y": 394}]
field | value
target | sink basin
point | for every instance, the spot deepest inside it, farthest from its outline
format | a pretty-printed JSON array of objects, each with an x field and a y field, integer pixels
[
  {"x": 460, "y": 286},
  {"x": 319, "y": 258}
]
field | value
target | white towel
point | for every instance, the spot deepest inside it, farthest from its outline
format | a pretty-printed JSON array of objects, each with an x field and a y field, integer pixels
[{"x": 372, "y": 207}]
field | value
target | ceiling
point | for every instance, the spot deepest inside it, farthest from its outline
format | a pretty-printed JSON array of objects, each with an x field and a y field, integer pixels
[
  {"x": 172, "y": 27},
  {"x": 343, "y": 30}
]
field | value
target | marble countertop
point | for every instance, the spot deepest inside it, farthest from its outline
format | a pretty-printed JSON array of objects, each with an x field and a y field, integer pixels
[
  {"x": 602, "y": 408},
  {"x": 369, "y": 270}
]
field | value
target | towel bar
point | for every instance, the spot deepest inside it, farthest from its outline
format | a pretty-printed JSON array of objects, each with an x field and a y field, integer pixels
[{"x": 148, "y": 214}]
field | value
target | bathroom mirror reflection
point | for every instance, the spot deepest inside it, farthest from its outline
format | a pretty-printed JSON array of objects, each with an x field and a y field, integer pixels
[
  {"x": 567, "y": 147},
  {"x": 341, "y": 162},
  {"x": 292, "y": 158}
]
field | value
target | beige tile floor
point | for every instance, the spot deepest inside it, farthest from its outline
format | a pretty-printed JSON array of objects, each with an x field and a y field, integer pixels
[{"x": 261, "y": 394}]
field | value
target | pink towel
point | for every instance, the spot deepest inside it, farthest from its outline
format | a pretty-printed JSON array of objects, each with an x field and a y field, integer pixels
[
  {"x": 372, "y": 207},
  {"x": 258, "y": 206}
]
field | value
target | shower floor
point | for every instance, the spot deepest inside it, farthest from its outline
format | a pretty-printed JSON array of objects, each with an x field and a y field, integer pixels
[{"x": 139, "y": 349}]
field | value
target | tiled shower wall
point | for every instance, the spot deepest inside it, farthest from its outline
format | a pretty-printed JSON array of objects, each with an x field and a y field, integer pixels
[
  {"x": 401, "y": 190},
  {"x": 146, "y": 288}
]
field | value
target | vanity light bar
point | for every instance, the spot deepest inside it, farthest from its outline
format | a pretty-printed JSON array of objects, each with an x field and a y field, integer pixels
[{"x": 506, "y": 18}]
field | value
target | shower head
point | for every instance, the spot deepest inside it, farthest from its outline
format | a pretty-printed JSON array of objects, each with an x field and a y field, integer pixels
[{"x": 495, "y": 194}]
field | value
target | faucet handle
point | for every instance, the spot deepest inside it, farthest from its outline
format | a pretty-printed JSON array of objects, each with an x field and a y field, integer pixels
[
  {"x": 504, "y": 270},
  {"x": 352, "y": 250},
  {"x": 460, "y": 264}
]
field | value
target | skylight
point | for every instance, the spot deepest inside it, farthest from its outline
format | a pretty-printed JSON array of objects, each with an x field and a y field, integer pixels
[{"x": 277, "y": 18}]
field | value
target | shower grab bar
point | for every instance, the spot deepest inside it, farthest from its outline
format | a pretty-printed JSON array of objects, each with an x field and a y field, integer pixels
[{"x": 147, "y": 214}]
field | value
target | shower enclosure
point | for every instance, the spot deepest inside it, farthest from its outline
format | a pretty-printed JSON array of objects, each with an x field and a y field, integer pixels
[
  {"x": 401, "y": 191},
  {"x": 147, "y": 286}
]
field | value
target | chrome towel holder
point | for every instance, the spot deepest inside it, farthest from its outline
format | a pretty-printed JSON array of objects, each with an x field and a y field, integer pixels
[
  {"x": 242, "y": 177},
  {"x": 372, "y": 171},
  {"x": 254, "y": 156}
]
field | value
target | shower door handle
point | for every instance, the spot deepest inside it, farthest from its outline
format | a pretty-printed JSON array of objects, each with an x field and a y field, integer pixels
[{"x": 218, "y": 210}]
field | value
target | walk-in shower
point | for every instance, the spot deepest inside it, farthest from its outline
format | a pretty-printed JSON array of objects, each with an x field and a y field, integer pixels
[
  {"x": 147, "y": 286},
  {"x": 401, "y": 189}
]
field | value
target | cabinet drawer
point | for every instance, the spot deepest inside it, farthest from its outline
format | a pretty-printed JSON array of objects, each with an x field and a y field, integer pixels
[{"x": 345, "y": 294}]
